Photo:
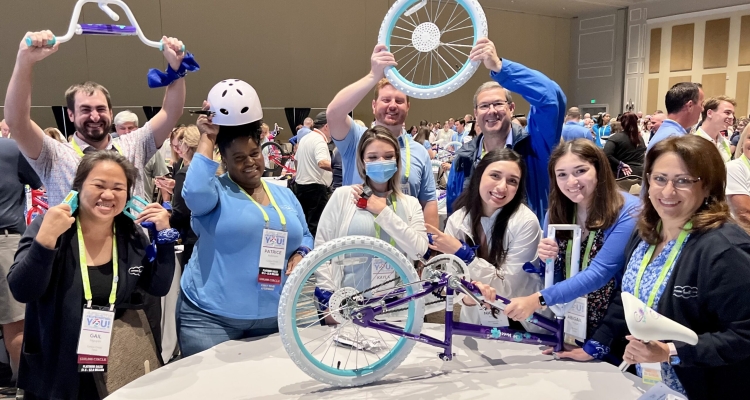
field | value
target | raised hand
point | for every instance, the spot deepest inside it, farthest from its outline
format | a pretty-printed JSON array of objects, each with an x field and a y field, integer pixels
[
  {"x": 485, "y": 52},
  {"x": 381, "y": 59},
  {"x": 39, "y": 49},
  {"x": 57, "y": 220},
  {"x": 173, "y": 51}
]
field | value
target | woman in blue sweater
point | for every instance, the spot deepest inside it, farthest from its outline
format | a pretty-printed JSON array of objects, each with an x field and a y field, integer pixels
[
  {"x": 585, "y": 193},
  {"x": 250, "y": 234}
]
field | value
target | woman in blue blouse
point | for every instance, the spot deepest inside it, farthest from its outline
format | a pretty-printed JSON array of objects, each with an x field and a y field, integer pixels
[
  {"x": 690, "y": 262},
  {"x": 584, "y": 193},
  {"x": 250, "y": 234},
  {"x": 602, "y": 128}
]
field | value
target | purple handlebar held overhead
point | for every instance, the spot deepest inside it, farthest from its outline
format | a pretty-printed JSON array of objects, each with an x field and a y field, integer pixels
[{"x": 106, "y": 29}]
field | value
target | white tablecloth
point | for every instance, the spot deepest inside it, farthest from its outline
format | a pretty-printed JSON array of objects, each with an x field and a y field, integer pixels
[{"x": 262, "y": 369}]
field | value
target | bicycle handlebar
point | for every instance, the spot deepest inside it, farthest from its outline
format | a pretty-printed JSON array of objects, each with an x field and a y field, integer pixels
[{"x": 103, "y": 29}]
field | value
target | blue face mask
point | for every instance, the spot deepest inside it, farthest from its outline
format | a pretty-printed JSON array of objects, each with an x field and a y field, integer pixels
[{"x": 381, "y": 171}]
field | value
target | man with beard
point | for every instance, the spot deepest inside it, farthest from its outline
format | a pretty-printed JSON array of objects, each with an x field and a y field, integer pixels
[
  {"x": 90, "y": 110},
  {"x": 390, "y": 108},
  {"x": 493, "y": 111}
]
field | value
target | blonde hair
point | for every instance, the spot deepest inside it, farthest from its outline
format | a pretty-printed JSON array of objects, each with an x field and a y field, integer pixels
[
  {"x": 54, "y": 133},
  {"x": 380, "y": 133},
  {"x": 189, "y": 135},
  {"x": 741, "y": 144}
]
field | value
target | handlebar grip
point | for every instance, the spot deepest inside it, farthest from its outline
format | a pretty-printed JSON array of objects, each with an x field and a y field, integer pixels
[
  {"x": 50, "y": 42},
  {"x": 161, "y": 47}
]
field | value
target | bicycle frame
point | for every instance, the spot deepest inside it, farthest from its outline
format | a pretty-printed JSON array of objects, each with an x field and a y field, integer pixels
[{"x": 365, "y": 315}]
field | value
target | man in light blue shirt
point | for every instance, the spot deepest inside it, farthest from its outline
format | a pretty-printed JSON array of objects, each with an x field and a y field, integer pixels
[
  {"x": 684, "y": 103},
  {"x": 461, "y": 131},
  {"x": 306, "y": 128},
  {"x": 390, "y": 108},
  {"x": 572, "y": 130}
]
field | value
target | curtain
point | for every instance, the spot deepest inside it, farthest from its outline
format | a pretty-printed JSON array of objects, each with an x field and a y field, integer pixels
[
  {"x": 295, "y": 116},
  {"x": 150, "y": 111},
  {"x": 64, "y": 124}
]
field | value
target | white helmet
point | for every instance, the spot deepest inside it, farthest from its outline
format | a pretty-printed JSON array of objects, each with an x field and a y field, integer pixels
[{"x": 234, "y": 102}]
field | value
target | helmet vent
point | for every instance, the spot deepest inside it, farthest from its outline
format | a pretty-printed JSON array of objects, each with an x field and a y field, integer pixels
[
  {"x": 244, "y": 110},
  {"x": 240, "y": 92},
  {"x": 224, "y": 111},
  {"x": 224, "y": 93}
]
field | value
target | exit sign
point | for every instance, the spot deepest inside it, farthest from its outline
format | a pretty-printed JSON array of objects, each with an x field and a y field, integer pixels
[{"x": 593, "y": 101}]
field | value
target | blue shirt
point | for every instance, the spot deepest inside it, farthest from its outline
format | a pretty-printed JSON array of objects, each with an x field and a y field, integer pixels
[
  {"x": 459, "y": 137},
  {"x": 649, "y": 279},
  {"x": 222, "y": 275},
  {"x": 302, "y": 132},
  {"x": 421, "y": 179},
  {"x": 294, "y": 140},
  {"x": 427, "y": 145},
  {"x": 668, "y": 128},
  {"x": 572, "y": 131},
  {"x": 608, "y": 263},
  {"x": 601, "y": 131}
]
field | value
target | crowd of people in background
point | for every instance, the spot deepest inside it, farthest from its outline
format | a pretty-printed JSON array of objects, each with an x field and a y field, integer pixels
[{"x": 678, "y": 242}]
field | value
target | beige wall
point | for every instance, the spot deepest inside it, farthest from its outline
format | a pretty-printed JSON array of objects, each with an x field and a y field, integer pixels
[{"x": 296, "y": 53}]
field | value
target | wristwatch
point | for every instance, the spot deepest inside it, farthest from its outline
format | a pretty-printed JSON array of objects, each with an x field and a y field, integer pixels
[
  {"x": 541, "y": 301},
  {"x": 674, "y": 359}
]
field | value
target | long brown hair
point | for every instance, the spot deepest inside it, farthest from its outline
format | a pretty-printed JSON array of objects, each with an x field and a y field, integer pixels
[
  {"x": 607, "y": 202},
  {"x": 702, "y": 161},
  {"x": 380, "y": 133},
  {"x": 629, "y": 123}
]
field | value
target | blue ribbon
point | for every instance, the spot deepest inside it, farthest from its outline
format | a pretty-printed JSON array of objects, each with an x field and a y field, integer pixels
[{"x": 157, "y": 78}]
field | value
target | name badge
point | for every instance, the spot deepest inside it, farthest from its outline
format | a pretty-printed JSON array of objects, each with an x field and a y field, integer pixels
[
  {"x": 381, "y": 272},
  {"x": 272, "y": 257},
  {"x": 94, "y": 340},
  {"x": 486, "y": 318},
  {"x": 575, "y": 321},
  {"x": 651, "y": 373}
]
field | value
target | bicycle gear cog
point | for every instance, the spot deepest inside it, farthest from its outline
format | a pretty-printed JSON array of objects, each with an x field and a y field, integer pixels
[
  {"x": 449, "y": 264},
  {"x": 341, "y": 303}
]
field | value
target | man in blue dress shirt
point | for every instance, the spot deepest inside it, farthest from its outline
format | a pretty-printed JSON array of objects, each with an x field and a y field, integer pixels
[
  {"x": 572, "y": 129},
  {"x": 684, "y": 103}
]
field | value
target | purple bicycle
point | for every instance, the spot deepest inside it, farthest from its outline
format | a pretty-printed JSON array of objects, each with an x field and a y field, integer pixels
[{"x": 353, "y": 309}]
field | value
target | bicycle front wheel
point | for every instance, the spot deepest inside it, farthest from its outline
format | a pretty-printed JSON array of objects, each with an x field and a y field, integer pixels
[
  {"x": 274, "y": 158},
  {"x": 431, "y": 44},
  {"x": 342, "y": 353}
]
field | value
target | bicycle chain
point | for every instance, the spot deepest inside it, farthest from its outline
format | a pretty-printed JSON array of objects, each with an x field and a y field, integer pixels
[{"x": 440, "y": 297}]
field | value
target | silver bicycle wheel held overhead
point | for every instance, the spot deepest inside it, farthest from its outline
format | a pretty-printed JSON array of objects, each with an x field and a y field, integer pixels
[{"x": 431, "y": 41}]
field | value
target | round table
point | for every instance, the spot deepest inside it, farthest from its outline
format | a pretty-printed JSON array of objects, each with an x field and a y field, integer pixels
[{"x": 261, "y": 369}]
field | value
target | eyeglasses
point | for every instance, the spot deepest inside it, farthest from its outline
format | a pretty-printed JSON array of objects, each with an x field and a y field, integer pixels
[
  {"x": 497, "y": 105},
  {"x": 682, "y": 183}
]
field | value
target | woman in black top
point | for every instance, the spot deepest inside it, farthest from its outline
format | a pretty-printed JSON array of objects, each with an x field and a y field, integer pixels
[
  {"x": 184, "y": 141},
  {"x": 47, "y": 273},
  {"x": 625, "y": 150}
]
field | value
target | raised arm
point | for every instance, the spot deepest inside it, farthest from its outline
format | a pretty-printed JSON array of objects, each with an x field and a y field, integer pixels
[
  {"x": 26, "y": 133},
  {"x": 199, "y": 192},
  {"x": 174, "y": 98},
  {"x": 348, "y": 98}
]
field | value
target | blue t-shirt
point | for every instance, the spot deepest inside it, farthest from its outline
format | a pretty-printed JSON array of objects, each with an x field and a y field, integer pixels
[
  {"x": 421, "y": 179},
  {"x": 668, "y": 128},
  {"x": 222, "y": 275},
  {"x": 572, "y": 131},
  {"x": 427, "y": 145},
  {"x": 302, "y": 132}
]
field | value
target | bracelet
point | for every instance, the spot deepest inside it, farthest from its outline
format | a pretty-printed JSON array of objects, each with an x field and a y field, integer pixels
[
  {"x": 169, "y": 235},
  {"x": 595, "y": 349},
  {"x": 157, "y": 78},
  {"x": 465, "y": 253},
  {"x": 302, "y": 251}
]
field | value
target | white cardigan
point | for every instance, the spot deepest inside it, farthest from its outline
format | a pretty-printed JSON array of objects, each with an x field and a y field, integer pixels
[
  {"x": 521, "y": 239},
  {"x": 410, "y": 235}
]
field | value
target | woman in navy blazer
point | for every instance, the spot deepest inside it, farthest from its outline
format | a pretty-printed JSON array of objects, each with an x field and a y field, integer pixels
[{"x": 46, "y": 274}]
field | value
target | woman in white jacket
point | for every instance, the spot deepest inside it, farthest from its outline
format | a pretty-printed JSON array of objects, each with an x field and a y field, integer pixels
[
  {"x": 495, "y": 234},
  {"x": 389, "y": 216}
]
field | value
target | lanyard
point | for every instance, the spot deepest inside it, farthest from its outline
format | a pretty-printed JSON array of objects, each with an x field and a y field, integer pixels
[
  {"x": 78, "y": 150},
  {"x": 586, "y": 254},
  {"x": 85, "y": 271},
  {"x": 273, "y": 203},
  {"x": 745, "y": 160},
  {"x": 408, "y": 158},
  {"x": 667, "y": 266},
  {"x": 377, "y": 227}
]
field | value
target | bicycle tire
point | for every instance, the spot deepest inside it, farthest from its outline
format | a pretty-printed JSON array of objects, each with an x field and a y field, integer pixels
[
  {"x": 296, "y": 284},
  {"x": 270, "y": 149},
  {"x": 427, "y": 38}
]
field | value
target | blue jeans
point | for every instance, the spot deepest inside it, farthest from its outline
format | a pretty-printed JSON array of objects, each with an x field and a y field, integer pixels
[{"x": 199, "y": 330}]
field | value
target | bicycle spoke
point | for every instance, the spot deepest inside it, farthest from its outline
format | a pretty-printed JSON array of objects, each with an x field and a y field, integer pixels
[
  {"x": 404, "y": 29},
  {"x": 454, "y": 57},
  {"x": 439, "y": 11},
  {"x": 460, "y": 40},
  {"x": 458, "y": 29},
  {"x": 457, "y": 45},
  {"x": 415, "y": 68},
  {"x": 459, "y": 23},
  {"x": 430, "y": 83},
  {"x": 440, "y": 66},
  {"x": 450, "y": 19},
  {"x": 400, "y": 37},
  {"x": 329, "y": 333},
  {"x": 424, "y": 68},
  {"x": 403, "y": 19},
  {"x": 404, "y": 64},
  {"x": 447, "y": 63}
]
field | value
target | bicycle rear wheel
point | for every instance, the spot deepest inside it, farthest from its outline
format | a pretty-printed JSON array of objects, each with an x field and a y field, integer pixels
[
  {"x": 431, "y": 44},
  {"x": 347, "y": 354},
  {"x": 274, "y": 158}
]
